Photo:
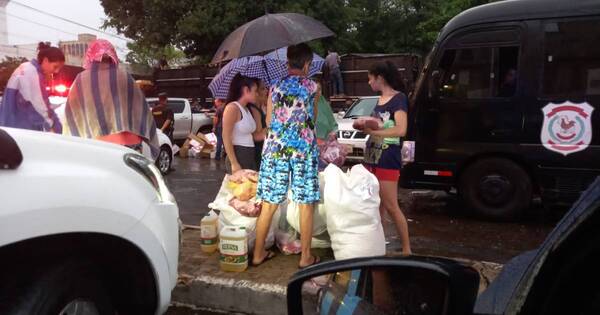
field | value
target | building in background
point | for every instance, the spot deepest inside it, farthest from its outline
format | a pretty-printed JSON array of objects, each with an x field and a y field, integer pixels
[{"x": 75, "y": 50}]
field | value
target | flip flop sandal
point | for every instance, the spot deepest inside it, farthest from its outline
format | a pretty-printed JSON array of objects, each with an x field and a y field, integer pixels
[
  {"x": 270, "y": 255},
  {"x": 316, "y": 261}
]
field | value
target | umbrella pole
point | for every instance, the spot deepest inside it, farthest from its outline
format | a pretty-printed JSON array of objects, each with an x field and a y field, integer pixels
[{"x": 267, "y": 72}]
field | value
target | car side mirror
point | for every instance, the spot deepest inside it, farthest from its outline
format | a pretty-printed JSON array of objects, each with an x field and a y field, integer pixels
[
  {"x": 10, "y": 153},
  {"x": 384, "y": 285},
  {"x": 341, "y": 114}
]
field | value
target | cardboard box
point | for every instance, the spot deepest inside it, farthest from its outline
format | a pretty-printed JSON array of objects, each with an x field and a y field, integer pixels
[{"x": 206, "y": 148}]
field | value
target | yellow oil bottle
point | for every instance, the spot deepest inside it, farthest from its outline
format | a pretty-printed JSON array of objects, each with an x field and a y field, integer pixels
[
  {"x": 233, "y": 245},
  {"x": 209, "y": 238}
]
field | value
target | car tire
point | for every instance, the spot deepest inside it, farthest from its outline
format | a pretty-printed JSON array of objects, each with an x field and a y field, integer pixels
[
  {"x": 496, "y": 188},
  {"x": 204, "y": 130},
  {"x": 164, "y": 159},
  {"x": 68, "y": 288}
]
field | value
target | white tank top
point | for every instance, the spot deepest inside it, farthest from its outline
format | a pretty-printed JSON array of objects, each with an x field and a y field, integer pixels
[{"x": 243, "y": 129}]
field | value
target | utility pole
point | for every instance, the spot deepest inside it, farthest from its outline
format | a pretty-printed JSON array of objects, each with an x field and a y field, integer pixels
[{"x": 3, "y": 23}]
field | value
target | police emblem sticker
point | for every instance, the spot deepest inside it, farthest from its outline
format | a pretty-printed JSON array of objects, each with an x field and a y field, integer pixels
[{"x": 567, "y": 127}]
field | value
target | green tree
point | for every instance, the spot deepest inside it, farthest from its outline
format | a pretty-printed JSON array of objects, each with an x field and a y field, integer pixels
[
  {"x": 147, "y": 56},
  {"x": 199, "y": 27},
  {"x": 7, "y": 67}
]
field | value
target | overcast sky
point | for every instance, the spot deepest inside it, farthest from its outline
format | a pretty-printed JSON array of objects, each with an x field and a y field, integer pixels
[{"x": 87, "y": 12}]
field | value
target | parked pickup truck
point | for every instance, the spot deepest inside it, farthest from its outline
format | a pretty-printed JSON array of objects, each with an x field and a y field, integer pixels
[{"x": 186, "y": 120}]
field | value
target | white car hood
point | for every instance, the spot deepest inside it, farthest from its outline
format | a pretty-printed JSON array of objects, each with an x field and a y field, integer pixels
[{"x": 36, "y": 142}]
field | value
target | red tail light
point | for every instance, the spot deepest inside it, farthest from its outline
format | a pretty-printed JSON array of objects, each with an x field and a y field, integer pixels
[{"x": 61, "y": 88}]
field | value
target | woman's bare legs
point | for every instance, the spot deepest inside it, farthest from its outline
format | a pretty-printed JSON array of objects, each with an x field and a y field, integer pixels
[
  {"x": 388, "y": 191},
  {"x": 306, "y": 230},
  {"x": 263, "y": 224}
]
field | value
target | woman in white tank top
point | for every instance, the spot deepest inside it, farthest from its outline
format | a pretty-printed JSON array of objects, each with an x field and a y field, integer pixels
[{"x": 239, "y": 125}]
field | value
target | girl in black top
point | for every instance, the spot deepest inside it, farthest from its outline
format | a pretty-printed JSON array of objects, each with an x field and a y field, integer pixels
[{"x": 383, "y": 151}]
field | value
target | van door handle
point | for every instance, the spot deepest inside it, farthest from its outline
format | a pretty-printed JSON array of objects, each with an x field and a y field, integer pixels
[
  {"x": 433, "y": 110},
  {"x": 501, "y": 132}
]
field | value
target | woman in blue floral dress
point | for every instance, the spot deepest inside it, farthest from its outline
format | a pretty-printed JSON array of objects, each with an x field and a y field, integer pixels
[{"x": 290, "y": 154}]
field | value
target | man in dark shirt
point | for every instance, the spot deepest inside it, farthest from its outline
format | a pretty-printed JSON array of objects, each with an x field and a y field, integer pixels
[
  {"x": 218, "y": 126},
  {"x": 163, "y": 116}
]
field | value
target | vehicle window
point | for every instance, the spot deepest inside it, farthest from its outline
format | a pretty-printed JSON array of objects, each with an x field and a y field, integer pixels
[
  {"x": 481, "y": 72},
  {"x": 572, "y": 58},
  {"x": 363, "y": 107},
  {"x": 176, "y": 106}
]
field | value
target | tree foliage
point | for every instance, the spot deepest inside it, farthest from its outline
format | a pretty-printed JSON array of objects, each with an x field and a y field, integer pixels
[
  {"x": 7, "y": 67},
  {"x": 199, "y": 27}
]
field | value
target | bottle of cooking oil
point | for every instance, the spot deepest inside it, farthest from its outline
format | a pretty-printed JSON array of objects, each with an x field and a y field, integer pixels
[
  {"x": 233, "y": 245},
  {"x": 208, "y": 233}
]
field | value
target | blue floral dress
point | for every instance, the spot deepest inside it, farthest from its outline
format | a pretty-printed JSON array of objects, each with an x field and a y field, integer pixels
[{"x": 291, "y": 145}]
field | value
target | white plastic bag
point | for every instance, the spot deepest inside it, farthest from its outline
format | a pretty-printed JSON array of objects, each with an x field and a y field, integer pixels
[
  {"x": 353, "y": 218},
  {"x": 228, "y": 216},
  {"x": 319, "y": 217}
]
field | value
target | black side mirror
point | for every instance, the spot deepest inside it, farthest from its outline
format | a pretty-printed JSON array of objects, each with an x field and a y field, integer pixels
[
  {"x": 384, "y": 285},
  {"x": 10, "y": 154}
]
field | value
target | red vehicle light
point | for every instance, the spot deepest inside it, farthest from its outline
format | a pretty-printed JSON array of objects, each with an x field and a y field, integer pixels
[{"x": 61, "y": 88}]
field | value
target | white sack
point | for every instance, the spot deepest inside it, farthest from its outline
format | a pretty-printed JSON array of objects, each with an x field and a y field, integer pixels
[{"x": 353, "y": 218}]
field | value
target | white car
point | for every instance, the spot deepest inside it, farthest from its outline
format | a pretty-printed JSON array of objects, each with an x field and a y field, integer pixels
[
  {"x": 187, "y": 120},
  {"x": 84, "y": 225},
  {"x": 165, "y": 155},
  {"x": 355, "y": 140}
]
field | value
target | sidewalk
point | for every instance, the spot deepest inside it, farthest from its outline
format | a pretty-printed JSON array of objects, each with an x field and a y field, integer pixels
[{"x": 258, "y": 290}]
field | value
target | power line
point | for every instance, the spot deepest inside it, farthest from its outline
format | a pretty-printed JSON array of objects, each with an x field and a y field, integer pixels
[
  {"x": 69, "y": 21},
  {"x": 51, "y": 27},
  {"x": 40, "y": 24}
]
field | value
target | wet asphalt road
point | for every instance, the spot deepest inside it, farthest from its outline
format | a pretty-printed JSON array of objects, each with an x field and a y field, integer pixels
[{"x": 437, "y": 224}]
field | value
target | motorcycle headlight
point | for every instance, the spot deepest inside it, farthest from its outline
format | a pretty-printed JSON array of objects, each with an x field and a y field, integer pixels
[{"x": 147, "y": 169}]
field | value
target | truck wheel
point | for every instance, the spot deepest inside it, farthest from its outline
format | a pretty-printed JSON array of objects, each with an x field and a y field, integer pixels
[
  {"x": 164, "y": 159},
  {"x": 496, "y": 188},
  {"x": 70, "y": 288}
]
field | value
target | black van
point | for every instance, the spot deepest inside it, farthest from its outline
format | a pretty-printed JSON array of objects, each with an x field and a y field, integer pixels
[{"x": 504, "y": 107}]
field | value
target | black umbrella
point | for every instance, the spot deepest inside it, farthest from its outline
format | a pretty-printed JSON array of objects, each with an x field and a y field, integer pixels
[{"x": 269, "y": 32}]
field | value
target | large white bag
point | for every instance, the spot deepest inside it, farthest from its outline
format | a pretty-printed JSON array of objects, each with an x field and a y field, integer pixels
[
  {"x": 228, "y": 216},
  {"x": 353, "y": 218},
  {"x": 319, "y": 217}
]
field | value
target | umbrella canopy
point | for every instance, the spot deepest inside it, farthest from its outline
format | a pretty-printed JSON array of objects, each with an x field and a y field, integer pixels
[
  {"x": 270, "y": 68},
  {"x": 252, "y": 66},
  {"x": 268, "y": 32}
]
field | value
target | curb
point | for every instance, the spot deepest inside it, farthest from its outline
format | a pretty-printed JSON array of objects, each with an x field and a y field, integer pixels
[
  {"x": 229, "y": 295},
  {"x": 248, "y": 297}
]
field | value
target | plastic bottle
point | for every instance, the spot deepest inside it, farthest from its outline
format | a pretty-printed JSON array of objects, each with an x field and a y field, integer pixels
[
  {"x": 208, "y": 233},
  {"x": 233, "y": 245}
]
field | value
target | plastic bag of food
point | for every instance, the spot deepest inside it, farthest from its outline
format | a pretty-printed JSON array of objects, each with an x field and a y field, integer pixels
[
  {"x": 333, "y": 152},
  {"x": 243, "y": 184},
  {"x": 372, "y": 123},
  {"x": 249, "y": 208},
  {"x": 287, "y": 241}
]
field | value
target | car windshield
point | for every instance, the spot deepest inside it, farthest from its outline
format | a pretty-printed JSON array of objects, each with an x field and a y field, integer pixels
[{"x": 362, "y": 107}]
